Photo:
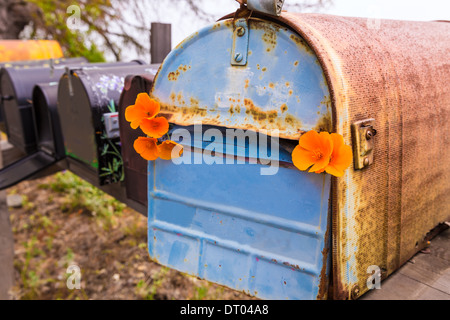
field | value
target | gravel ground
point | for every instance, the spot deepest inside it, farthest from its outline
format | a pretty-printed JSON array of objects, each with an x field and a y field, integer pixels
[{"x": 60, "y": 221}]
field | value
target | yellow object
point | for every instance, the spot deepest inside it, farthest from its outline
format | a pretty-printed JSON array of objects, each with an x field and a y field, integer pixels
[{"x": 19, "y": 50}]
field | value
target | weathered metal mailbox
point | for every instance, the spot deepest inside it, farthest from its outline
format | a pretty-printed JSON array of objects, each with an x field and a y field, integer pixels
[
  {"x": 135, "y": 167},
  {"x": 292, "y": 234},
  {"x": 87, "y": 100},
  {"x": 50, "y": 142},
  {"x": 17, "y": 81}
]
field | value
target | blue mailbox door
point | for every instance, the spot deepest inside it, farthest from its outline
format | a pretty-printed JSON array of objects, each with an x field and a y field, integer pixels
[{"x": 265, "y": 234}]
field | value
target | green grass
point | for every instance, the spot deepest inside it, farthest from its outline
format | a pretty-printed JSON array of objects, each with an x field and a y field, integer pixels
[
  {"x": 146, "y": 290},
  {"x": 81, "y": 195}
]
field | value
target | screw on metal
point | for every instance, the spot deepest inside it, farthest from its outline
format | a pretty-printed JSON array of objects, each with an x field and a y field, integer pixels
[
  {"x": 366, "y": 161},
  {"x": 370, "y": 134},
  {"x": 238, "y": 57},
  {"x": 240, "y": 31},
  {"x": 355, "y": 292}
]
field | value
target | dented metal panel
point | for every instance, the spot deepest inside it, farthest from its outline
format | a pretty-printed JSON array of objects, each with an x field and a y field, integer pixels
[
  {"x": 228, "y": 224},
  {"x": 282, "y": 85}
]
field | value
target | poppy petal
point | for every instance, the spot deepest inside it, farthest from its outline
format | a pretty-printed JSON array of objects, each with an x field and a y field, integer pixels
[
  {"x": 343, "y": 158},
  {"x": 149, "y": 106},
  {"x": 335, "y": 172},
  {"x": 326, "y": 144},
  {"x": 170, "y": 150},
  {"x": 155, "y": 127},
  {"x": 338, "y": 140},
  {"x": 302, "y": 158},
  {"x": 320, "y": 165},
  {"x": 134, "y": 115},
  {"x": 146, "y": 147},
  {"x": 310, "y": 140}
]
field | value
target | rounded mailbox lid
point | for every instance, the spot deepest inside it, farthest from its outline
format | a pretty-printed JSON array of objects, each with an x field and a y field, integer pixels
[{"x": 279, "y": 84}]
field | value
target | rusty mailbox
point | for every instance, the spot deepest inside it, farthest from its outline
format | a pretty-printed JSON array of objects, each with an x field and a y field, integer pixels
[
  {"x": 293, "y": 234},
  {"x": 87, "y": 104}
]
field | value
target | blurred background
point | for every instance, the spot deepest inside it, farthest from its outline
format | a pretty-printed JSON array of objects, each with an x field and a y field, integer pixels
[{"x": 111, "y": 30}]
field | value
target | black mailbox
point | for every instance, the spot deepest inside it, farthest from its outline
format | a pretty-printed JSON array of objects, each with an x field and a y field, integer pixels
[
  {"x": 16, "y": 86},
  {"x": 134, "y": 165},
  {"x": 48, "y": 126},
  {"x": 87, "y": 102},
  {"x": 50, "y": 143},
  {"x": 36, "y": 63}
]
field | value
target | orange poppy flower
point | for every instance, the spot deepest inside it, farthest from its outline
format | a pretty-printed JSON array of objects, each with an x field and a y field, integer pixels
[
  {"x": 341, "y": 158},
  {"x": 313, "y": 152},
  {"x": 144, "y": 108},
  {"x": 156, "y": 127},
  {"x": 168, "y": 150},
  {"x": 146, "y": 147}
]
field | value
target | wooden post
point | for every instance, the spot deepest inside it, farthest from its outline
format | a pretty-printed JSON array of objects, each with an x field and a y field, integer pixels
[
  {"x": 6, "y": 246},
  {"x": 160, "y": 41}
]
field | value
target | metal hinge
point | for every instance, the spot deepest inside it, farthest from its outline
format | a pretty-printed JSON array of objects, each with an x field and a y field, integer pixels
[
  {"x": 239, "y": 51},
  {"x": 272, "y": 7},
  {"x": 363, "y": 135}
]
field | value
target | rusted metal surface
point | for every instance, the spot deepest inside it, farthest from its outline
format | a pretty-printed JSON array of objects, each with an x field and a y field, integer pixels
[
  {"x": 399, "y": 75},
  {"x": 280, "y": 87}
]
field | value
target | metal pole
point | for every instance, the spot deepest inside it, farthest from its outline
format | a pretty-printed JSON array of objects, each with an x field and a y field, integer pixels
[
  {"x": 160, "y": 41},
  {"x": 6, "y": 245}
]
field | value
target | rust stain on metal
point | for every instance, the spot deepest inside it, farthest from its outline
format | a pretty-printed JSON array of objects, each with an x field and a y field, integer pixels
[
  {"x": 381, "y": 212},
  {"x": 301, "y": 43},
  {"x": 269, "y": 37},
  {"x": 173, "y": 76},
  {"x": 257, "y": 114},
  {"x": 323, "y": 279},
  {"x": 325, "y": 123}
]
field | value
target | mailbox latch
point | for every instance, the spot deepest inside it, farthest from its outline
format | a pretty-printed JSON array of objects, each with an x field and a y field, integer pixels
[
  {"x": 239, "y": 51},
  {"x": 363, "y": 135}
]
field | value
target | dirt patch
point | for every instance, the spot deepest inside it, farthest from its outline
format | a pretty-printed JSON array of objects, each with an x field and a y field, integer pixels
[{"x": 55, "y": 228}]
